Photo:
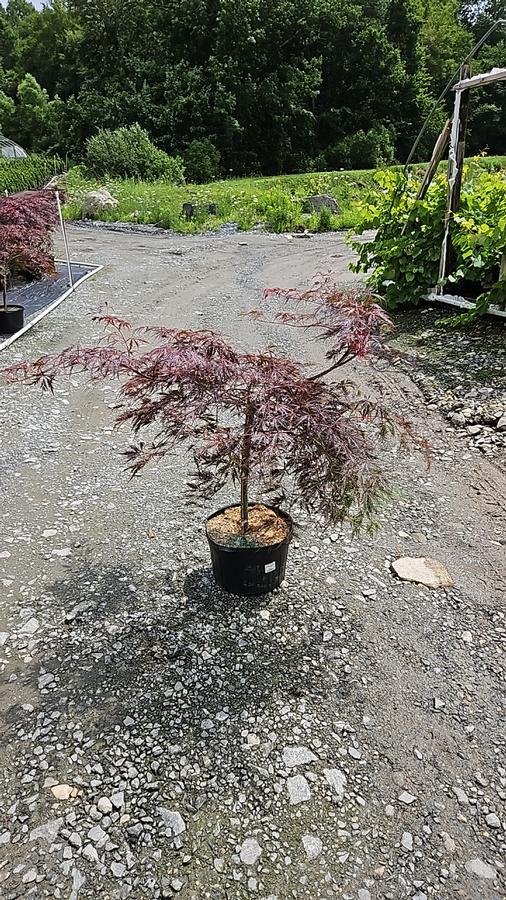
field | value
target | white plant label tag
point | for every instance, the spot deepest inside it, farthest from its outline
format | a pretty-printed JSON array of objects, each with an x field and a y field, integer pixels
[{"x": 270, "y": 567}]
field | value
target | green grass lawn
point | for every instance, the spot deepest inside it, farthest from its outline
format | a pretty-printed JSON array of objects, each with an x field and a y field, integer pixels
[{"x": 277, "y": 201}]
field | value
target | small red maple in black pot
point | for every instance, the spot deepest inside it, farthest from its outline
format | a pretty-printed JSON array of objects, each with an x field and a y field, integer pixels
[
  {"x": 26, "y": 224},
  {"x": 246, "y": 418}
]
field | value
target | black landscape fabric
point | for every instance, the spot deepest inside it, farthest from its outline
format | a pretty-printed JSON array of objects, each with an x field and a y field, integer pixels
[{"x": 35, "y": 296}]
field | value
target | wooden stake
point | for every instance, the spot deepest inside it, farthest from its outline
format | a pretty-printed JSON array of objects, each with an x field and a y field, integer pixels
[
  {"x": 455, "y": 168},
  {"x": 502, "y": 270},
  {"x": 437, "y": 156},
  {"x": 65, "y": 241}
]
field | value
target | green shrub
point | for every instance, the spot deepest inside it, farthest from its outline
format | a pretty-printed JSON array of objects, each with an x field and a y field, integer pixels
[
  {"x": 402, "y": 260},
  {"x": 129, "y": 153},
  {"x": 325, "y": 220},
  {"x": 363, "y": 150},
  {"x": 202, "y": 162},
  {"x": 479, "y": 235},
  {"x": 27, "y": 173},
  {"x": 280, "y": 211}
]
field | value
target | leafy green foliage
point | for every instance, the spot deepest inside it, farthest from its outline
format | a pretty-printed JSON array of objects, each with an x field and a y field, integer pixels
[
  {"x": 402, "y": 266},
  {"x": 363, "y": 150},
  {"x": 280, "y": 211},
  {"x": 35, "y": 121},
  {"x": 129, "y": 153},
  {"x": 26, "y": 174},
  {"x": 6, "y": 111},
  {"x": 402, "y": 260},
  {"x": 238, "y": 200},
  {"x": 479, "y": 237},
  {"x": 202, "y": 162},
  {"x": 325, "y": 220},
  {"x": 276, "y": 85}
]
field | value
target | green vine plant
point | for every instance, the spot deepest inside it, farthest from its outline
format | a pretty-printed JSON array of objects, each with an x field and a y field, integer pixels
[{"x": 402, "y": 259}]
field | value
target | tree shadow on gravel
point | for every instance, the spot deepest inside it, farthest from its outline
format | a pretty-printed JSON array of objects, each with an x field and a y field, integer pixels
[
  {"x": 175, "y": 658},
  {"x": 473, "y": 356}
]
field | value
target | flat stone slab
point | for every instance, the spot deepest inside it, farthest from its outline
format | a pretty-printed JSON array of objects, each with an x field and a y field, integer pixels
[{"x": 422, "y": 570}]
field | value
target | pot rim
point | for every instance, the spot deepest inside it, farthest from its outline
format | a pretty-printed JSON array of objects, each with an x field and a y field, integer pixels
[{"x": 280, "y": 512}]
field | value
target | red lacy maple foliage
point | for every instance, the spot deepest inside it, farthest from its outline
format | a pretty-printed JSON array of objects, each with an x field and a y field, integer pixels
[
  {"x": 242, "y": 416},
  {"x": 26, "y": 225},
  {"x": 350, "y": 321}
]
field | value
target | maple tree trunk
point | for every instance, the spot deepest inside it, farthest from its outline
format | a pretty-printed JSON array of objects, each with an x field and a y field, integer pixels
[
  {"x": 245, "y": 467},
  {"x": 4, "y": 290}
]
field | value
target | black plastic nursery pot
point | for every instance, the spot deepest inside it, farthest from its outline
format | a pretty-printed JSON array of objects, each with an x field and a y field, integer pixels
[
  {"x": 11, "y": 319},
  {"x": 250, "y": 571}
]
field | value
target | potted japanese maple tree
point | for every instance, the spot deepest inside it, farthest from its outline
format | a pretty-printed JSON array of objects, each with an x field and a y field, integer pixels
[
  {"x": 26, "y": 223},
  {"x": 11, "y": 315},
  {"x": 255, "y": 420}
]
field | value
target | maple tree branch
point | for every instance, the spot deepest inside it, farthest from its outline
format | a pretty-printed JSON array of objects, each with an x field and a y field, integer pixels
[{"x": 340, "y": 362}]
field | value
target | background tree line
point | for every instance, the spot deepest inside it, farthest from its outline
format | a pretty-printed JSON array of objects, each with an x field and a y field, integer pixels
[{"x": 275, "y": 85}]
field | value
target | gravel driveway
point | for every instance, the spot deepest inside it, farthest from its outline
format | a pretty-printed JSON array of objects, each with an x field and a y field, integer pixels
[{"x": 343, "y": 737}]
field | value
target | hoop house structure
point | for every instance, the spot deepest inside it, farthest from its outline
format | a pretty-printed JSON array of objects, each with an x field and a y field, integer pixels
[{"x": 11, "y": 150}]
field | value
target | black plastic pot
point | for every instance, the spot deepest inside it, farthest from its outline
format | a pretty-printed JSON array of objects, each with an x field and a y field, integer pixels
[
  {"x": 11, "y": 319},
  {"x": 250, "y": 571}
]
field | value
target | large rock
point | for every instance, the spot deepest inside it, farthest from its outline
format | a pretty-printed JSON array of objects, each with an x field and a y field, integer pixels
[
  {"x": 319, "y": 201},
  {"x": 422, "y": 570},
  {"x": 96, "y": 202}
]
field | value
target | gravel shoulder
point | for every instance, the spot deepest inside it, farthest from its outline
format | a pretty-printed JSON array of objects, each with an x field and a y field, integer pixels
[{"x": 343, "y": 737}]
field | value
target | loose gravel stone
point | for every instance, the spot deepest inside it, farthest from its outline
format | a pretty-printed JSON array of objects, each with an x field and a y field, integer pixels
[
  {"x": 297, "y": 756},
  {"x": 118, "y": 869},
  {"x": 30, "y": 626},
  {"x": 46, "y": 832},
  {"x": 449, "y": 843},
  {"x": 481, "y": 869},
  {"x": 406, "y": 798},
  {"x": 407, "y": 841},
  {"x": 250, "y": 851},
  {"x": 118, "y": 800},
  {"x": 298, "y": 789},
  {"x": 493, "y": 821},
  {"x": 422, "y": 570},
  {"x": 97, "y": 835},
  {"x": 312, "y": 845},
  {"x": 62, "y": 791},
  {"x": 105, "y": 806},
  {"x": 337, "y": 781},
  {"x": 29, "y": 876},
  {"x": 172, "y": 820}
]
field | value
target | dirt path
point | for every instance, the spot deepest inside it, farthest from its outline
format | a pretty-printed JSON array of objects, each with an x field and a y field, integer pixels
[{"x": 172, "y": 712}]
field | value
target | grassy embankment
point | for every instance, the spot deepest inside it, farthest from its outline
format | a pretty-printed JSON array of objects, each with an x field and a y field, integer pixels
[{"x": 276, "y": 201}]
